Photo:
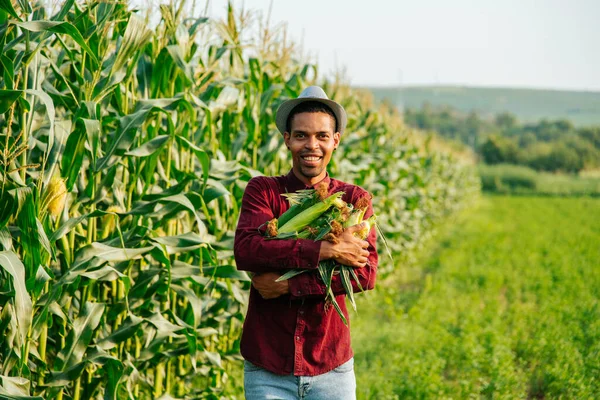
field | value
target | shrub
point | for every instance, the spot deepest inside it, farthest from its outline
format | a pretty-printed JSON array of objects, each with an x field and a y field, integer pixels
[{"x": 507, "y": 177}]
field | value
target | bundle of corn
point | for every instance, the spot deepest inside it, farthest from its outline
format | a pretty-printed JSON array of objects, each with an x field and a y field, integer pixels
[{"x": 315, "y": 215}]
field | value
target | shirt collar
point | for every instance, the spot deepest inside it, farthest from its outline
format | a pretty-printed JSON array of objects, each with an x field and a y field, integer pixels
[{"x": 294, "y": 184}]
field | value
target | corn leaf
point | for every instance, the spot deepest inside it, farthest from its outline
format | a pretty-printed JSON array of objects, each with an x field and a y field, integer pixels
[
  {"x": 290, "y": 274},
  {"x": 22, "y": 301},
  {"x": 150, "y": 147},
  {"x": 58, "y": 27},
  {"x": 7, "y": 6},
  {"x": 79, "y": 337},
  {"x": 73, "y": 157},
  {"x": 7, "y": 98},
  {"x": 129, "y": 328}
]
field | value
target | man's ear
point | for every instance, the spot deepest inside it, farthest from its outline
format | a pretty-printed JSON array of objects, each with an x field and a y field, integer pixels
[
  {"x": 286, "y": 139},
  {"x": 336, "y": 139}
]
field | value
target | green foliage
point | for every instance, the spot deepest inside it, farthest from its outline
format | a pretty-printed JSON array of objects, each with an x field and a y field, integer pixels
[
  {"x": 561, "y": 158},
  {"x": 496, "y": 150},
  {"x": 125, "y": 152},
  {"x": 504, "y": 178},
  {"x": 544, "y": 146},
  {"x": 517, "y": 179},
  {"x": 591, "y": 134},
  {"x": 504, "y": 305}
]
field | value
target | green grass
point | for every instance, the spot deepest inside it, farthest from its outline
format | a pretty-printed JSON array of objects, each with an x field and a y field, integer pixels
[
  {"x": 521, "y": 180},
  {"x": 504, "y": 306},
  {"x": 566, "y": 184},
  {"x": 529, "y": 105}
]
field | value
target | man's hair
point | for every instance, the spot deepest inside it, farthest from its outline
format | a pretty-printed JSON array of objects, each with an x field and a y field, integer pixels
[{"x": 309, "y": 107}]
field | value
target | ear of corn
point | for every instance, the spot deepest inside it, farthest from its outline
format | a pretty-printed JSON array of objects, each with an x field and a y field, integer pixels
[
  {"x": 306, "y": 217},
  {"x": 55, "y": 196},
  {"x": 367, "y": 225},
  {"x": 355, "y": 218},
  {"x": 299, "y": 201}
]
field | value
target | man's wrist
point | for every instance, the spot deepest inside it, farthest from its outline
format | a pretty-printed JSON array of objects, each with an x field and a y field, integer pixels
[
  {"x": 285, "y": 287},
  {"x": 326, "y": 251}
]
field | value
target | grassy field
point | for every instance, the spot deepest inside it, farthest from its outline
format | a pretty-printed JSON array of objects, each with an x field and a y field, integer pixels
[
  {"x": 529, "y": 105},
  {"x": 521, "y": 180},
  {"x": 505, "y": 305}
]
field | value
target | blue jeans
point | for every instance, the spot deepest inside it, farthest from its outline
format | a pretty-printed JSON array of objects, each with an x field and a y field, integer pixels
[{"x": 339, "y": 384}]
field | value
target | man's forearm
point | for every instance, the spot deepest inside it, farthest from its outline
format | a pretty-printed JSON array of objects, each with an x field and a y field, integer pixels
[{"x": 257, "y": 254}]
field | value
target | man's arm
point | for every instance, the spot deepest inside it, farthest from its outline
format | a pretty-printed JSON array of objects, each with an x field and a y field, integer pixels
[
  {"x": 253, "y": 252},
  {"x": 349, "y": 251}
]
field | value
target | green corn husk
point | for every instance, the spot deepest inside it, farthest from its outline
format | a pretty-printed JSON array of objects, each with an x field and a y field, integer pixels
[
  {"x": 327, "y": 269},
  {"x": 346, "y": 271},
  {"x": 355, "y": 218},
  {"x": 368, "y": 224},
  {"x": 306, "y": 217},
  {"x": 299, "y": 201}
]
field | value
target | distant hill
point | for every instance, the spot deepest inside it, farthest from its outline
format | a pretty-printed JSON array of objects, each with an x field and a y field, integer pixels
[{"x": 529, "y": 105}]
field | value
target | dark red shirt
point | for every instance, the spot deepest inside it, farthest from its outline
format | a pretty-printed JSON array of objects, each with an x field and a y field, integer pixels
[{"x": 293, "y": 333}]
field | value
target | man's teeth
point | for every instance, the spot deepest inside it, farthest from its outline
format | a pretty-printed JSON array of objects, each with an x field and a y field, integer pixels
[{"x": 311, "y": 158}]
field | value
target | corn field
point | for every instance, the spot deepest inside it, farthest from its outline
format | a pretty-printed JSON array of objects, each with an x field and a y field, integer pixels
[{"x": 127, "y": 138}]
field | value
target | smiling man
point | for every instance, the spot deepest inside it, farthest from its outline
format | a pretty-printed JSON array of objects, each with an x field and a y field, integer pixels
[{"x": 294, "y": 347}]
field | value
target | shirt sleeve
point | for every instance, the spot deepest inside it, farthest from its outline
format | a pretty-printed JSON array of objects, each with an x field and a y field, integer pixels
[
  {"x": 252, "y": 251},
  {"x": 310, "y": 284}
]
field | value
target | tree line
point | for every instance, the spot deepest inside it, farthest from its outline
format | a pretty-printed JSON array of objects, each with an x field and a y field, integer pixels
[{"x": 546, "y": 145}]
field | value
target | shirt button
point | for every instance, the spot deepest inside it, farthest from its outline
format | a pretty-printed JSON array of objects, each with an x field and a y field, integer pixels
[
  {"x": 301, "y": 312},
  {"x": 298, "y": 338},
  {"x": 298, "y": 293}
]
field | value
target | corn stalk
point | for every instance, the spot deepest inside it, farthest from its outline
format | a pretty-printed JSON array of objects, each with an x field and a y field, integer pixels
[{"x": 126, "y": 141}]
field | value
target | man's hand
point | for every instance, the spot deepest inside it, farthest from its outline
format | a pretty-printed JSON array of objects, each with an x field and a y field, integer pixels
[
  {"x": 267, "y": 287},
  {"x": 350, "y": 250}
]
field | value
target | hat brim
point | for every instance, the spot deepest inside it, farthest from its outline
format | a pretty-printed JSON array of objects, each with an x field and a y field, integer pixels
[{"x": 287, "y": 106}]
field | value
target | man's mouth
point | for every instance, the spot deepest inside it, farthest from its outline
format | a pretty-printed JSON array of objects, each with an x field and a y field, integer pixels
[{"x": 311, "y": 160}]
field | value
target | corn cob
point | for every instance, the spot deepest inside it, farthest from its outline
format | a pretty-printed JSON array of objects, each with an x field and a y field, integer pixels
[
  {"x": 309, "y": 215},
  {"x": 300, "y": 201}
]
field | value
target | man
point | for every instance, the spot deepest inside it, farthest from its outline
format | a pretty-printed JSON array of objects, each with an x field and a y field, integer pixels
[{"x": 294, "y": 346}]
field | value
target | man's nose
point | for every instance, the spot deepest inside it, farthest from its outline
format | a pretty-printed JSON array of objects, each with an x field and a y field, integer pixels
[{"x": 312, "y": 142}]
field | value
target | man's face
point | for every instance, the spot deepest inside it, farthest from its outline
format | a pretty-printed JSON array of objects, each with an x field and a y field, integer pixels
[{"x": 312, "y": 140}]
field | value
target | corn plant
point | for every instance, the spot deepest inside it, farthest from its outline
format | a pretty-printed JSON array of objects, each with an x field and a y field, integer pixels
[{"x": 126, "y": 141}]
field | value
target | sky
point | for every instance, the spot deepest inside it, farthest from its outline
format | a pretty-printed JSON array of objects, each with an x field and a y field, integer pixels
[{"x": 551, "y": 44}]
